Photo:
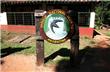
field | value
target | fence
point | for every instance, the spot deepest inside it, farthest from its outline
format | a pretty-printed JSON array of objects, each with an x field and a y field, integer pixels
[
  {"x": 20, "y": 18},
  {"x": 84, "y": 19},
  {"x": 27, "y": 18}
]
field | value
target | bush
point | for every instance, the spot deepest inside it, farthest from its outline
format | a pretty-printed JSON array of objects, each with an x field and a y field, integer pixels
[{"x": 102, "y": 14}]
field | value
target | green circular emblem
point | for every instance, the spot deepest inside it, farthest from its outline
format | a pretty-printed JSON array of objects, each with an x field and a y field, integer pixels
[{"x": 55, "y": 27}]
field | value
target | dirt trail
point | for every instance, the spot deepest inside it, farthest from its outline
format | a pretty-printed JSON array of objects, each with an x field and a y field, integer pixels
[
  {"x": 102, "y": 41},
  {"x": 22, "y": 63},
  {"x": 18, "y": 63}
]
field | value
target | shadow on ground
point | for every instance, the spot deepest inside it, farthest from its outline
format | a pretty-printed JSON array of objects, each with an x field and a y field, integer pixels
[
  {"x": 89, "y": 60},
  {"x": 64, "y": 52},
  {"x": 10, "y": 50}
]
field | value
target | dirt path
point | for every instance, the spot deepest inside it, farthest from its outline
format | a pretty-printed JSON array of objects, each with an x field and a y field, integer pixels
[
  {"x": 21, "y": 63},
  {"x": 102, "y": 41},
  {"x": 18, "y": 63}
]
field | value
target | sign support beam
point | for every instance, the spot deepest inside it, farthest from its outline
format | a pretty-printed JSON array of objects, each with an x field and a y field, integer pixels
[
  {"x": 40, "y": 51},
  {"x": 74, "y": 51},
  {"x": 39, "y": 43}
]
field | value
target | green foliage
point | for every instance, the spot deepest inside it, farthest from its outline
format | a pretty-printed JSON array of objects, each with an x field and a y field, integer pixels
[{"x": 102, "y": 13}]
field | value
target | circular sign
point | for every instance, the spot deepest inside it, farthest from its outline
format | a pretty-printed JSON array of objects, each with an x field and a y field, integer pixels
[{"x": 55, "y": 26}]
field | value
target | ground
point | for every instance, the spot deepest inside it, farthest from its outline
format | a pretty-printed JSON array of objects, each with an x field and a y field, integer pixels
[{"x": 95, "y": 58}]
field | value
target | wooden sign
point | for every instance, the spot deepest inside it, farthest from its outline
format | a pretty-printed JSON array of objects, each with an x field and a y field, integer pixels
[{"x": 55, "y": 26}]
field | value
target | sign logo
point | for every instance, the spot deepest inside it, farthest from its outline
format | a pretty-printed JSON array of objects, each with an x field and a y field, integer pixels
[{"x": 55, "y": 26}]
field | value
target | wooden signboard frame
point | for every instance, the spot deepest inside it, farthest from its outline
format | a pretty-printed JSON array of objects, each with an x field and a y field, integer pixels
[{"x": 74, "y": 41}]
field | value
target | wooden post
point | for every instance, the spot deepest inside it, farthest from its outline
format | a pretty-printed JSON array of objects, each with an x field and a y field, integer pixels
[
  {"x": 39, "y": 39},
  {"x": 74, "y": 51},
  {"x": 40, "y": 51},
  {"x": 39, "y": 44}
]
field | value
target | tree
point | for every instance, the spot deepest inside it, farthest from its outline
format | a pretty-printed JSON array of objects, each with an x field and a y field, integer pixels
[{"x": 102, "y": 13}]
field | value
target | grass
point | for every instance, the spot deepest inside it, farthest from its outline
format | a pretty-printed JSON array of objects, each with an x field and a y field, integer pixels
[
  {"x": 28, "y": 50},
  {"x": 5, "y": 36},
  {"x": 52, "y": 48},
  {"x": 85, "y": 41},
  {"x": 49, "y": 48}
]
